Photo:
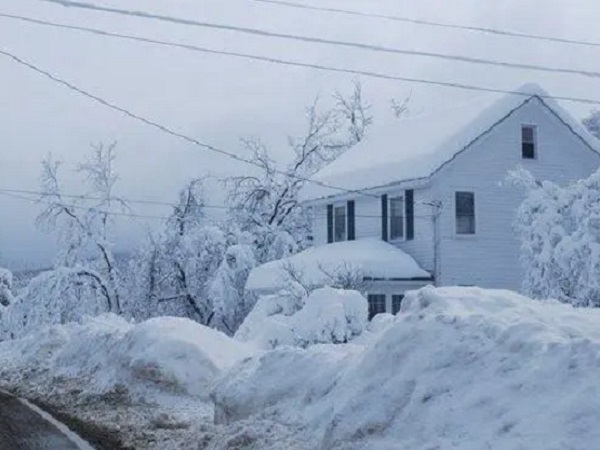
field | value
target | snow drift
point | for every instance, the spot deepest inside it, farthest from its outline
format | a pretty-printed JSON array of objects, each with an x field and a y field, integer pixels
[
  {"x": 458, "y": 368},
  {"x": 106, "y": 354}
]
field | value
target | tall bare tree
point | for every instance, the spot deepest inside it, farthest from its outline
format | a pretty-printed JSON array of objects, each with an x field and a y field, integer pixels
[
  {"x": 83, "y": 225},
  {"x": 266, "y": 202}
]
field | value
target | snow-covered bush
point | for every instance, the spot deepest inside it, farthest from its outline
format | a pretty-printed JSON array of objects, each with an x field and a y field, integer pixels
[
  {"x": 54, "y": 297},
  {"x": 327, "y": 315},
  {"x": 560, "y": 239},
  {"x": 330, "y": 316},
  {"x": 6, "y": 286}
]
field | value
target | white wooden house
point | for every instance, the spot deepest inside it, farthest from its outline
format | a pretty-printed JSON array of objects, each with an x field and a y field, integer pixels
[{"x": 449, "y": 206}]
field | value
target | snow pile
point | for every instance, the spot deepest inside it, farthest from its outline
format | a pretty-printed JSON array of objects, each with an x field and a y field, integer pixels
[
  {"x": 327, "y": 316},
  {"x": 317, "y": 266},
  {"x": 107, "y": 354},
  {"x": 460, "y": 368}
]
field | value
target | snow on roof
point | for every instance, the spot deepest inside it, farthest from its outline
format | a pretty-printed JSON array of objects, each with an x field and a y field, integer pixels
[
  {"x": 373, "y": 257},
  {"x": 414, "y": 148}
]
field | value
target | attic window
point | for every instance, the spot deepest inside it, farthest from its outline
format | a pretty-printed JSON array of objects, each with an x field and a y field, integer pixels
[
  {"x": 528, "y": 142},
  {"x": 465, "y": 212}
]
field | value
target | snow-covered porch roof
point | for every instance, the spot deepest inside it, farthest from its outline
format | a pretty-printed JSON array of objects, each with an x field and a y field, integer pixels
[{"x": 372, "y": 258}]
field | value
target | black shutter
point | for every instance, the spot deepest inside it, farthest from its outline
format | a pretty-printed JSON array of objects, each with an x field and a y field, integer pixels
[
  {"x": 329, "y": 223},
  {"x": 351, "y": 221},
  {"x": 384, "y": 217},
  {"x": 409, "y": 196}
]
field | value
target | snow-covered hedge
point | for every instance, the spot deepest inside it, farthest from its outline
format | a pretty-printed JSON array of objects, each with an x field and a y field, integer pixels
[
  {"x": 106, "y": 354},
  {"x": 327, "y": 315},
  {"x": 460, "y": 368}
]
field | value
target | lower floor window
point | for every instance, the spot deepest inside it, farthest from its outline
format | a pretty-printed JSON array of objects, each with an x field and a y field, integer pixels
[
  {"x": 376, "y": 304},
  {"x": 396, "y": 303}
]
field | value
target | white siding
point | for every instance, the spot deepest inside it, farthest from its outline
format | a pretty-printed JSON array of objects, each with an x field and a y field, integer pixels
[
  {"x": 490, "y": 258},
  {"x": 421, "y": 247},
  {"x": 368, "y": 225}
]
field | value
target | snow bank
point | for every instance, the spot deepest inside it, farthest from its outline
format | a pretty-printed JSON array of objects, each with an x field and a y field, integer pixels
[
  {"x": 107, "y": 354},
  {"x": 327, "y": 316},
  {"x": 460, "y": 368},
  {"x": 316, "y": 266}
]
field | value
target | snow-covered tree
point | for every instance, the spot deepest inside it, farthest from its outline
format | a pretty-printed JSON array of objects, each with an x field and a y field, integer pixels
[
  {"x": 58, "y": 296},
  {"x": 592, "y": 123},
  {"x": 226, "y": 290},
  {"x": 173, "y": 271},
  {"x": 560, "y": 239},
  {"x": 265, "y": 203},
  {"x": 84, "y": 226}
]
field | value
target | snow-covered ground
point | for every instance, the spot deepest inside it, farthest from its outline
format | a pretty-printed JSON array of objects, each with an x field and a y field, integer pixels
[{"x": 457, "y": 368}]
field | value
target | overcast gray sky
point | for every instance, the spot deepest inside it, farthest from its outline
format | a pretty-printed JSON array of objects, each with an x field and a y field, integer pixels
[{"x": 218, "y": 99}]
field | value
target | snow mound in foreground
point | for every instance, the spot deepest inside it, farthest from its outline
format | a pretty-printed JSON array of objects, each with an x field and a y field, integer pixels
[
  {"x": 327, "y": 316},
  {"x": 460, "y": 368},
  {"x": 107, "y": 354}
]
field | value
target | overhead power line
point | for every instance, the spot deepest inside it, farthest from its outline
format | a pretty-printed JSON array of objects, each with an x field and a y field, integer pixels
[
  {"x": 320, "y": 67},
  {"x": 38, "y": 197},
  {"x": 323, "y": 41},
  {"x": 168, "y": 130},
  {"x": 73, "y": 206},
  {"x": 485, "y": 30}
]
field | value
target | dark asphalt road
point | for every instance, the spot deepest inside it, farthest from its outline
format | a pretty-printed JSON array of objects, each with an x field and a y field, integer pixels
[{"x": 21, "y": 428}]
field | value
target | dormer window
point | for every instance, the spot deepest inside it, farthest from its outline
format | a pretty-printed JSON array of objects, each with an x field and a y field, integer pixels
[{"x": 528, "y": 142}]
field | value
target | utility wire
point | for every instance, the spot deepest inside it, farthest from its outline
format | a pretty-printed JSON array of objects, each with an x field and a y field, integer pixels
[
  {"x": 323, "y": 41},
  {"x": 320, "y": 67},
  {"x": 15, "y": 193},
  {"x": 485, "y": 30},
  {"x": 73, "y": 206},
  {"x": 168, "y": 130}
]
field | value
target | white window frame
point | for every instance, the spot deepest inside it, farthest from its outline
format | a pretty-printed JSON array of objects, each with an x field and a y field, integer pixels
[
  {"x": 535, "y": 141},
  {"x": 454, "y": 211},
  {"x": 334, "y": 221},
  {"x": 403, "y": 237}
]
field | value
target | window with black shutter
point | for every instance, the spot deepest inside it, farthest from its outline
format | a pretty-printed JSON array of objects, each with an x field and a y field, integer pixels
[
  {"x": 329, "y": 223},
  {"x": 384, "y": 217},
  {"x": 409, "y": 197},
  {"x": 528, "y": 142},
  {"x": 351, "y": 220}
]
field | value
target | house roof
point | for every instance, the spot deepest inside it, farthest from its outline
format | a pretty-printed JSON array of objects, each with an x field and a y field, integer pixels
[
  {"x": 372, "y": 257},
  {"x": 415, "y": 148}
]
